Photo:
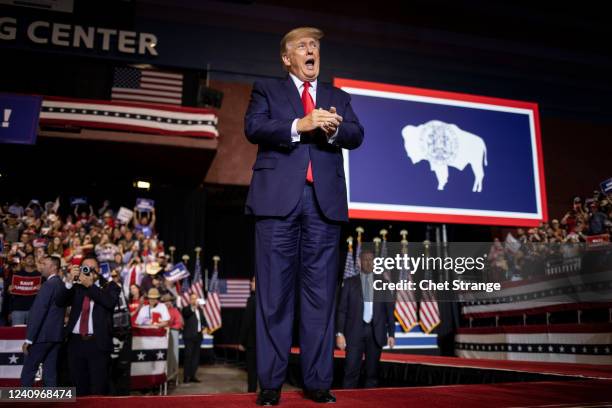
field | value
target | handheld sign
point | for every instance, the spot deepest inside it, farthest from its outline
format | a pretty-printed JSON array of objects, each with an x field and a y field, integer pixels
[
  {"x": 606, "y": 186},
  {"x": 125, "y": 215},
  {"x": 78, "y": 201},
  {"x": 178, "y": 272},
  {"x": 145, "y": 204},
  {"x": 25, "y": 285},
  {"x": 105, "y": 270}
]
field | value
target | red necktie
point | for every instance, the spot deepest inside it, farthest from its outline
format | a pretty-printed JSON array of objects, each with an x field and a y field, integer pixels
[
  {"x": 308, "y": 105},
  {"x": 84, "y": 324}
]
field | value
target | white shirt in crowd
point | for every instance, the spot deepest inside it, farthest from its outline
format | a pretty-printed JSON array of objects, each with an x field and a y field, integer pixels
[
  {"x": 145, "y": 315},
  {"x": 77, "y": 325}
]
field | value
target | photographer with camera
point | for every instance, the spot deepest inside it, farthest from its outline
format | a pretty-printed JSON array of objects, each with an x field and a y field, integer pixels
[{"x": 89, "y": 326}]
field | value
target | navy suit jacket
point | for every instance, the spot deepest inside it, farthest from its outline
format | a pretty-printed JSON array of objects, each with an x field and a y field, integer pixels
[
  {"x": 190, "y": 330},
  {"x": 349, "y": 319},
  {"x": 46, "y": 322},
  {"x": 279, "y": 172},
  {"x": 104, "y": 299}
]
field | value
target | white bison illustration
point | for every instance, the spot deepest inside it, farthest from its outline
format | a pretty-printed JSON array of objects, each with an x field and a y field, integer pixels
[{"x": 443, "y": 145}]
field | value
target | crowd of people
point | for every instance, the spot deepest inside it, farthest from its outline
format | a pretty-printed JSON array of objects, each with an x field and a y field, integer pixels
[
  {"x": 534, "y": 250},
  {"x": 94, "y": 275},
  {"x": 87, "y": 277}
]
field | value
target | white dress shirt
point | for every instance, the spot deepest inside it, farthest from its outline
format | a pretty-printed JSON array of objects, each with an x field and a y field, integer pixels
[
  {"x": 198, "y": 317},
  {"x": 77, "y": 325},
  {"x": 368, "y": 306},
  {"x": 299, "y": 85}
]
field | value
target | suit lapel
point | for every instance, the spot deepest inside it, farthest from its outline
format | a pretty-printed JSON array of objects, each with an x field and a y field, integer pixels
[{"x": 294, "y": 97}]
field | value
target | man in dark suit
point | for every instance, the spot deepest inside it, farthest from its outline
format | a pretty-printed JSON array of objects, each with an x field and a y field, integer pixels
[
  {"x": 45, "y": 328},
  {"x": 247, "y": 340},
  {"x": 364, "y": 326},
  {"x": 298, "y": 195},
  {"x": 193, "y": 331},
  {"x": 89, "y": 326}
]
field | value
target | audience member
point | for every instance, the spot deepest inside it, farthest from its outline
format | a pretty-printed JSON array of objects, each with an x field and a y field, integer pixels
[
  {"x": 44, "y": 333},
  {"x": 195, "y": 326},
  {"x": 89, "y": 329}
]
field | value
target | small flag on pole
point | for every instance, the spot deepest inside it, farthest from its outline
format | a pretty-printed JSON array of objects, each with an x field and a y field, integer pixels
[
  {"x": 429, "y": 313},
  {"x": 183, "y": 298},
  {"x": 349, "y": 264},
  {"x": 196, "y": 283},
  {"x": 212, "y": 308},
  {"x": 358, "y": 251},
  {"x": 405, "y": 304}
]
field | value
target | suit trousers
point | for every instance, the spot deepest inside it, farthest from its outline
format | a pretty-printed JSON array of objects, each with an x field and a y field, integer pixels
[
  {"x": 251, "y": 366},
  {"x": 296, "y": 254},
  {"x": 355, "y": 349},
  {"x": 89, "y": 366},
  {"x": 192, "y": 356},
  {"x": 45, "y": 353}
]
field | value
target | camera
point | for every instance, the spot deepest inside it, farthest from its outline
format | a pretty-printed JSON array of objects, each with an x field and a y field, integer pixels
[{"x": 87, "y": 270}]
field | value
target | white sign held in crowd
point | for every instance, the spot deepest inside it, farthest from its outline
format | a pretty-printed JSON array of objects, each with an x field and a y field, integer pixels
[{"x": 125, "y": 215}]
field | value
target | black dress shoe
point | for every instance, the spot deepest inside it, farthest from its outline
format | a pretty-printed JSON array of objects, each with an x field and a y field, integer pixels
[
  {"x": 186, "y": 380},
  {"x": 195, "y": 380},
  {"x": 321, "y": 396},
  {"x": 268, "y": 397}
]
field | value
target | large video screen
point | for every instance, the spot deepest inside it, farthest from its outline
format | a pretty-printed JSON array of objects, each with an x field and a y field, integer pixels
[{"x": 444, "y": 157}]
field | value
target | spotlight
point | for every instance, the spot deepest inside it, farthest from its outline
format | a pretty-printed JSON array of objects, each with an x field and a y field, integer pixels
[{"x": 143, "y": 185}]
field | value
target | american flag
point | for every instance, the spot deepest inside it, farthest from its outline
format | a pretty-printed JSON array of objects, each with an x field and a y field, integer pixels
[
  {"x": 358, "y": 257},
  {"x": 233, "y": 293},
  {"x": 429, "y": 314},
  {"x": 196, "y": 283},
  {"x": 147, "y": 85},
  {"x": 405, "y": 304},
  {"x": 184, "y": 292},
  {"x": 212, "y": 308},
  {"x": 349, "y": 264}
]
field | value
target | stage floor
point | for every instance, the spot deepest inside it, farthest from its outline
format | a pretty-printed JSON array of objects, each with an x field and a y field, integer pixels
[
  {"x": 590, "y": 393},
  {"x": 567, "y": 369}
]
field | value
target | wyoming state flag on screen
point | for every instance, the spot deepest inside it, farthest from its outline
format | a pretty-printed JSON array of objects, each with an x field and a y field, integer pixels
[{"x": 444, "y": 157}]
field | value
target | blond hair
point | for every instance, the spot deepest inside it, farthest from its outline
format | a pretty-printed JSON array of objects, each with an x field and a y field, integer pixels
[{"x": 296, "y": 33}]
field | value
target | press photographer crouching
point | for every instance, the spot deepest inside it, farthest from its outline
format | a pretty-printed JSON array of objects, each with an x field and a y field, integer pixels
[{"x": 89, "y": 326}]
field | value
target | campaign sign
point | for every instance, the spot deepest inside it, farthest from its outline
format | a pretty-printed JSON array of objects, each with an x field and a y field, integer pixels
[
  {"x": 19, "y": 118},
  {"x": 178, "y": 272},
  {"x": 78, "y": 201},
  {"x": 25, "y": 285},
  {"x": 444, "y": 157},
  {"x": 606, "y": 186},
  {"x": 125, "y": 215},
  {"x": 145, "y": 204},
  {"x": 105, "y": 270}
]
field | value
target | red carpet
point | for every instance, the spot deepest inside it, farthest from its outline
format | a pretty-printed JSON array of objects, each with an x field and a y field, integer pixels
[
  {"x": 579, "y": 370},
  {"x": 543, "y": 394}
]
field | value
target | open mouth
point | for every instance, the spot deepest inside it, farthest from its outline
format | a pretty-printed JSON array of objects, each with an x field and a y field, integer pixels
[{"x": 310, "y": 62}]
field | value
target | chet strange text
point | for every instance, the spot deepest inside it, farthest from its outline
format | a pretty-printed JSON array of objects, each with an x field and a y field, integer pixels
[{"x": 425, "y": 284}]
